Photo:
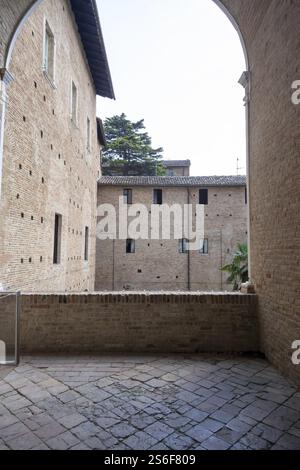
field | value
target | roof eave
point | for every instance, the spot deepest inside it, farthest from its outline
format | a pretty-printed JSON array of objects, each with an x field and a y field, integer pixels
[
  {"x": 102, "y": 44},
  {"x": 89, "y": 28}
]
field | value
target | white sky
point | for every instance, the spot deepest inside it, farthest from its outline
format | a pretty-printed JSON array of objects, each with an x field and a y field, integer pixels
[{"x": 176, "y": 64}]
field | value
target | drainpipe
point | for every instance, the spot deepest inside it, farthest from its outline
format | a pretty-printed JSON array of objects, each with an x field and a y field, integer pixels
[
  {"x": 245, "y": 81},
  {"x": 189, "y": 252},
  {"x": 221, "y": 256},
  {"x": 113, "y": 267}
]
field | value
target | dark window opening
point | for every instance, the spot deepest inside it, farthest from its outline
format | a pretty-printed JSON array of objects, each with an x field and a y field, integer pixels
[
  {"x": 86, "y": 244},
  {"x": 183, "y": 245},
  {"x": 246, "y": 196},
  {"x": 204, "y": 246},
  {"x": 127, "y": 193},
  {"x": 57, "y": 239},
  {"x": 157, "y": 196},
  {"x": 130, "y": 246},
  {"x": 203, "y": 197}
]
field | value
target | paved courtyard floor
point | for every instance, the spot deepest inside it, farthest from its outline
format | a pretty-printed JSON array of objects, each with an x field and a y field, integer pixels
[{"x": 176, "y": 402}]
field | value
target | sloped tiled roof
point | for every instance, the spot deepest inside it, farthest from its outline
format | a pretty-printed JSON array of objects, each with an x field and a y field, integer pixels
[
  {"x": 172, "y": 163},
  {"x": 172, "y": 181},
  {"x": 88, "y": 23}
]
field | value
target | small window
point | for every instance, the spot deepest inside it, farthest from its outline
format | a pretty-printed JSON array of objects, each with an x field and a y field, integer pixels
[
  {"x": 204, "y": 246},
  {"x": 130, "y": 246},
  {"x": 246, "y": 196},
  {"x": 86, "y": 244},
  {"x": 183, "y": 245},
  {"x": 157, "y": 196},
  {"x": 74, "y": 99},
  {"x": 49, "y": 52},
  {"x": 203, "y": 197},
  {"x": 127, "y": 196},
  {"x": 88, "y": 134},
  {"x": 57, "y": 239}
]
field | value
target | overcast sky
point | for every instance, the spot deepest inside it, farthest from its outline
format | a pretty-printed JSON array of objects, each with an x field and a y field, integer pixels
[{"x": 176, "y": 64}]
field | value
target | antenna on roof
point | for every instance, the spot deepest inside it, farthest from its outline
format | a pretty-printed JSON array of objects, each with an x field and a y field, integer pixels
[{"x": 238, "y": 168}]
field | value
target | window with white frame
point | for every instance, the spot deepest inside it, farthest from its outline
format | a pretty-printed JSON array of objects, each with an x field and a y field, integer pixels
[
  {"x": 74, "y": 103},
  {"x": 49, "y": 52}
]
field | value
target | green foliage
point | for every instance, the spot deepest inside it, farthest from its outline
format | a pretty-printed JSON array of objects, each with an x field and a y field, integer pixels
[
  {"x": 238, "y": 268},
  {"x": 129, "y": 149}
]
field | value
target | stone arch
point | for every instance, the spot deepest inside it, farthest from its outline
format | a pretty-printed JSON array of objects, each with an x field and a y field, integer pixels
[
  {"x": 32, "y": 5},
  {"x": 236, "y": 26},
  {"x": 29, "y": 6}
]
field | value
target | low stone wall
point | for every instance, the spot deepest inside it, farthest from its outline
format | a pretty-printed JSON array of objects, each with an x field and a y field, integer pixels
[{"x": 139, "y": 322}]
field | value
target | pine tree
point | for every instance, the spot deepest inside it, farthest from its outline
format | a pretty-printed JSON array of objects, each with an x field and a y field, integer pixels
[{"x": 129, "y": 149}]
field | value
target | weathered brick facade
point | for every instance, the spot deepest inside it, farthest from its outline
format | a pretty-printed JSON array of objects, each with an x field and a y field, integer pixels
[
  {"x": 272, "y": 38},
  {"x": 158, "y": 264},
  {"x": 47, "y": 167}
]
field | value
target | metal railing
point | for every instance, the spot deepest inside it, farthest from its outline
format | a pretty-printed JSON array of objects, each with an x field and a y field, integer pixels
[{"x": 10, "y": 340}]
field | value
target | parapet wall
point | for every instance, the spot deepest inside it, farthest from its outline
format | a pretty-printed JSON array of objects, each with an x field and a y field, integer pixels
[{"x": 139, "y": 322}]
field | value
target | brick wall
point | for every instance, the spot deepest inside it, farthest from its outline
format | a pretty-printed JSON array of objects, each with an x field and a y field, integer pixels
[
  {"x": 133, "y": 322},
  {"x": 47, "y": 168},
  {"x": 11, "y": 12},
  {"x": 272, "y": 35},
  {"x": 157, "y": 264}
]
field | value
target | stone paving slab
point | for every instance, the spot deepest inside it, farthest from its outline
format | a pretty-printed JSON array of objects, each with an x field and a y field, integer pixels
[{"x": 159, "y": 402}]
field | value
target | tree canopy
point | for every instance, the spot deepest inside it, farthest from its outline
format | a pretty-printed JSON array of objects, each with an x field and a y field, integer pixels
[{"x": 129, "y": 150}]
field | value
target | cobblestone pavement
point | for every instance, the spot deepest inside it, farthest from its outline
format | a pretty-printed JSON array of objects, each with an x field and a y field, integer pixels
[{"x": 147, "y": 402}]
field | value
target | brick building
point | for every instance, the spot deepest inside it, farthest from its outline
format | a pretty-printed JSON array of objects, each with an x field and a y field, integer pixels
[
  {"x": 51, "y": 154},
  {"x": 177, "y": 167},
  {"x": 270, "y": 36},
  {"x": 163, "y": 264}
]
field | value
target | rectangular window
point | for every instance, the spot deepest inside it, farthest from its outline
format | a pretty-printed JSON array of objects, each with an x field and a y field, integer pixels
[
  {"x": 246, "y": 196},
  {"x": 86, "y": 244},
  {"x": 57, "y": 239},
  {"x": 130, "y": 246},
  {"x": 88, "y": 134},
  {"x": 74, "y": 99},
  {"x": 204, "y": 246},
  {"x": 49, "y": 52},
  {"x": 183, "y": 245},
  {"x": 157, "y": 196},
  {"x": 127, "y": 196},
  {"x": 203, "y": 197}
]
